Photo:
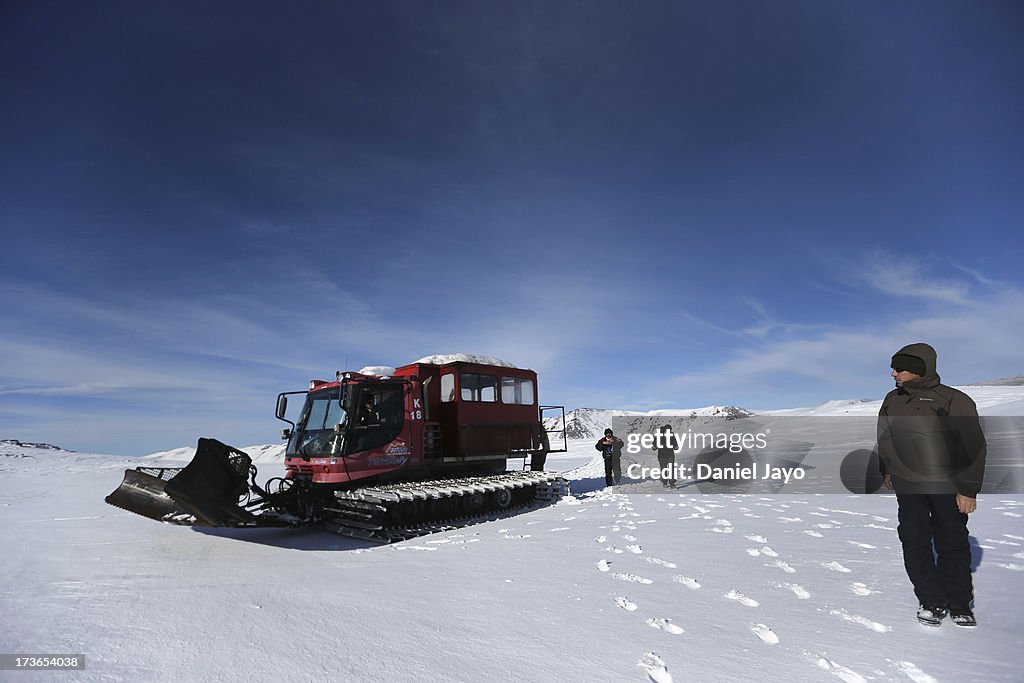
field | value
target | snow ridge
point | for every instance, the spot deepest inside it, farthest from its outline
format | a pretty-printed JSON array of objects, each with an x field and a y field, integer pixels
[
  {"x": 29, "y": 444},
  {"x": 590, "y": 423}
]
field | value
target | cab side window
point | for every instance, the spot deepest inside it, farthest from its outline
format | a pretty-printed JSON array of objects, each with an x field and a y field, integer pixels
[
  {"x": 517, "y": 391},
  {"x": 478, "y": 387},
  {"x": 447, "y": 388},
  {"x": 380, "y": 411}
]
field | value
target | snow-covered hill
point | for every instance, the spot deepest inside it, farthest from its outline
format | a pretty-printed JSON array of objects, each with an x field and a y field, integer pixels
[
  {"x": 267, "y": 453},
  {"x": 1004, "y": 382},
  {"x": 38, "y": 446},
  {"x": 1003, "y": 400},
  {"x": 590, "y": 423}
]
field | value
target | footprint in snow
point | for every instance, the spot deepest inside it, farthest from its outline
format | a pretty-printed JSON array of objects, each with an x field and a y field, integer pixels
[
  {"x": 756, "y": 538},
  {"x": 604, "y": 565},
  {"x": 798, "y": 590},
  {"x": 866, "y": 546},
  {"x": 784, "y": 566},
  {"x": 914, "y": 673},
  {"x": 632, "y": 578},
  {"x": 863, "y": 621},
  {"x": 741, "y": 598},
  {"x": 635, "y": 549},
  {"x": 813, "y": 533},
  {"x": 626, "y": 604},
  {"x": 629, "y": 538},
  {"x": 769, "y": 552},
  {"x": 836, "y": 567},
  {"x": 601, "y": 539},
  {"x": 655, "y": 667},
  {"x": 665, "y": 625},
  {"x": 860, "y": 589},
  {"x": 753, "y": 552},
  {"x": 764, "y": 633},
  {"x": 843, "y": 673},
  {"x": 663, "y": 563},
  {"x": 614, "y": 549},
  {"x": 687, "y": 581}
]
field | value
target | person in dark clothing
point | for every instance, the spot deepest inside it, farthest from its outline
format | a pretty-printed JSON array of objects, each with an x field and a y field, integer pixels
[
  {"x": 932, "y": 454},
  {"x": 665, "y": 446},
  {"x": 368, "y": 414},
  {"x": 611, "y": 449}
]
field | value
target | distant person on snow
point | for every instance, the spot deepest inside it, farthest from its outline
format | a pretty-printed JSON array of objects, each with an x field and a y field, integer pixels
[
  {"x": 611, "y": 449},
  {"x": 932, "y": 454},
  {"x": 666, "y": 446}
]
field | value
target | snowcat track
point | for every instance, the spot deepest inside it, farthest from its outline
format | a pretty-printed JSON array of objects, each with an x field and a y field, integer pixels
[{"x": 398, "y": 512}]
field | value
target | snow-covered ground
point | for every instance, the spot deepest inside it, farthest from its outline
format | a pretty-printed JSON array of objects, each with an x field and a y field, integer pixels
[{"x": 602, "y": 586}]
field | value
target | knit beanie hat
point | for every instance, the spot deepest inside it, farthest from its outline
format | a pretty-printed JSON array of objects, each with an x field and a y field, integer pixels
[{"x": 902, "y": 361}]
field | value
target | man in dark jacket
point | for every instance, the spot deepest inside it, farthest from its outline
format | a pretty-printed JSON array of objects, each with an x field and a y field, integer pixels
[
  {"x": 611, "y": 449},
  {"x": 666, "y": 446},
  {"x": 932, "y": 453}
]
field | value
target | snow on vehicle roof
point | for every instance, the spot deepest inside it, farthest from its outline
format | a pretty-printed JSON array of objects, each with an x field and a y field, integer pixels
[
  {"x": 444, "y": 358},
  {"x": 377, "y": 371}
]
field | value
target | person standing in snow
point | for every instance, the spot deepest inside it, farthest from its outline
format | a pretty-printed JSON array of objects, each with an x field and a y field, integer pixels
[
  {"x": 666, "y": 445},
  {"x": 932, "y": 454},
  {"x": 611, "y": 449}
]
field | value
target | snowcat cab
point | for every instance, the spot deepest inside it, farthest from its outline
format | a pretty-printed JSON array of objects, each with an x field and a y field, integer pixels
[{"x": 440, "y": 431}]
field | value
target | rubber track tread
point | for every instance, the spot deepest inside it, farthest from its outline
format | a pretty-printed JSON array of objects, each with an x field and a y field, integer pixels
[{"x": 398, "y": 512}]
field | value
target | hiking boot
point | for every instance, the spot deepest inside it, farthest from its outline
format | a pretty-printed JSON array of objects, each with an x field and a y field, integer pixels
[
  {"x": 930, "y": 615},
  {"x": 963, "y": 617}
]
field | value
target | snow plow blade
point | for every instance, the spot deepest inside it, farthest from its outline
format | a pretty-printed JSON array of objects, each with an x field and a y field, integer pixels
[
  {"x": 142, "y": 492},
  {"x": 212, "y": 485},
  {"x": 211, "y": 489}
]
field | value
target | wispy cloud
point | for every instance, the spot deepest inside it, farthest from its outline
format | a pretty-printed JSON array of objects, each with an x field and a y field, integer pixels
[
  {"x": 907, "y": 278},
  {"x": 977, "y": 337}
]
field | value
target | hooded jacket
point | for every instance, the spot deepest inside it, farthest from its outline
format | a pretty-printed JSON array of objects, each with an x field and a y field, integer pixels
[
  {"x": 929, "y": 435},
  {"x": 612, "y": 450}
]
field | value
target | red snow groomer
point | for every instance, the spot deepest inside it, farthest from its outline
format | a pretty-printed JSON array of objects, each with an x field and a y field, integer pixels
[{"x": 382, "y": 454}]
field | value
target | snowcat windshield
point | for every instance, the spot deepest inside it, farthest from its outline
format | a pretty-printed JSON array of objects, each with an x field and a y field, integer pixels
[{"x": 315, "y": 435}]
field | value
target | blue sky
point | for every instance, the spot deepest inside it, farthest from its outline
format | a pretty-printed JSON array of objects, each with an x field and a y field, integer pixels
[{"x": 653, "y": 205}]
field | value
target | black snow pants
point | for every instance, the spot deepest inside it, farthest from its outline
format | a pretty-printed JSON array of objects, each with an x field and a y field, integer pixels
[
  {"x": 612, "y": 469},
  {"x": 942, "y": 577},
  {"x": 667, "y": 461}
]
